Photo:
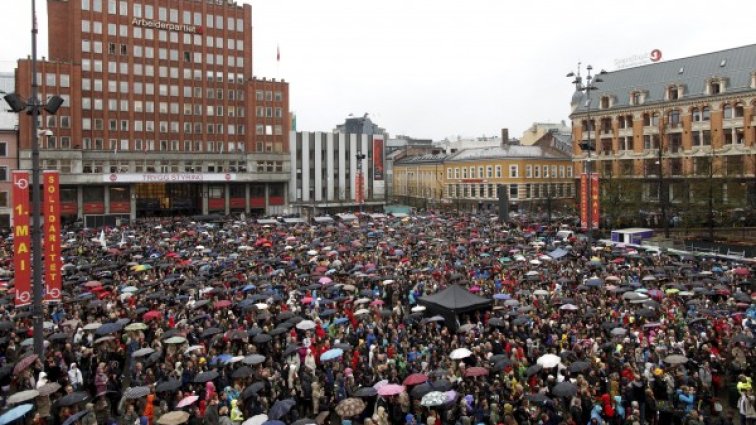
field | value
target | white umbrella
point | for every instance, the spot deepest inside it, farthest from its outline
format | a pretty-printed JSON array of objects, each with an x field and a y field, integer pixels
[
  {"x": 540, "y": 292},
  {"x": 361, "y": 312},
  {"x": 312, "y": 252},
  {"x": 418, "y": 308},
  {"x": 531, "y": 273},
  {"x": 548, "y": 360},
  {"x": 306, "y": 325},
  {"x": 433, "y": 398},
  {"x": 570, "y": 307},
  {"x": 256, "y": 420},
  {"x": 460, "y": 353}
]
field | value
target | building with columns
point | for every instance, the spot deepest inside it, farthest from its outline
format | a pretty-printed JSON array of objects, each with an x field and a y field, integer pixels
[
  {"x": 162, "y": 112},
  {"x": 682, "y": 132}
]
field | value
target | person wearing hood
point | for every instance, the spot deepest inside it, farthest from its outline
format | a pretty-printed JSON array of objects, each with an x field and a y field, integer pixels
[
  {"x": 236, "y": 413},
  {"x": 619, "y": 409},
  {"x": 596, "y": 418},
  {"x": 42, "y": 402},
  {"x": 75, "y": 377}
]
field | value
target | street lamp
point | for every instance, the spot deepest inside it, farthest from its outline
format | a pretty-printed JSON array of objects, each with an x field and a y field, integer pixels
[
  {"x": 587, "y": 146},
  {"x": 32, "y": 106}
]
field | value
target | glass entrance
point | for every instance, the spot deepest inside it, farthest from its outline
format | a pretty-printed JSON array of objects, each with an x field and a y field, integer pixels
[{"x": 167, "y": 199}]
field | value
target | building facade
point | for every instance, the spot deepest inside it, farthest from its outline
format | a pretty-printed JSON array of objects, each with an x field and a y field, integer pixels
[
  {"x": 469, "y": 179},
  {"x": 8, "y": 152},
  {"x": 681, "y": 132},
  {"x": 325, "y": 170},
  {"x": 162, "y": 113}
]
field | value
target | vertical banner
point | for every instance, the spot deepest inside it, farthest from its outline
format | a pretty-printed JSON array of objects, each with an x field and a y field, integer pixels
[
  {"x": 21, "y": 238},
  {"x": 377, "y": 158},
  {"x": 595, "y": 200},
  {"x": 583, "y": 201},
  {"x": 51, "y": 236}
]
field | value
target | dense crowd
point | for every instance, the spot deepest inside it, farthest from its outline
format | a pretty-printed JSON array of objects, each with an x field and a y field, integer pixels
[{"x": 237, "y": 322}]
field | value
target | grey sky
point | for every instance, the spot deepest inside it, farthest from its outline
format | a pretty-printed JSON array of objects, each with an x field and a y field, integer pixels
[{"x": 442, "y": 68}]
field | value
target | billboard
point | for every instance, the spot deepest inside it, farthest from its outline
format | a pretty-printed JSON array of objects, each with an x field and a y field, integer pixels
[
  {"x": 21, "y": 238},
  {"x": 378, "y": 158},
  {"x": 51, "y": 236},
  {"x": 594, "y": 201}
]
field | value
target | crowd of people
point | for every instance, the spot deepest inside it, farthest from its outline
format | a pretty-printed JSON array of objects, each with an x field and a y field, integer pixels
[{"x": 238, "y": 322}]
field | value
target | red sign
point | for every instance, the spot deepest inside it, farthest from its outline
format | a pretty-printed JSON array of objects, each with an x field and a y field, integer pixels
[
  {"x": 595, "y": 200},
  {"x": 655, "y": 55},
  {"x": 21, "y": 238},
  {"x": 377, "y": 159},
  {"x": 51, "y": 212},
  {"x": 594, "y": 204}
]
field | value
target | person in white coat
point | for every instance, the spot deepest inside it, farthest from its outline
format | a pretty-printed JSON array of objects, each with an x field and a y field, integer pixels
[{"x": 74, "y": 377}]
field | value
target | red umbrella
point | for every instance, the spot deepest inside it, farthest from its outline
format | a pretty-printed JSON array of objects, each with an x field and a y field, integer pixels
[
  {"x": 150, "y": 315},
  {"x": 377, "y": 302},
  {"x": 24, "y": 363},
  {"x": 741, "y": 271},
  {"x": 415, "y": 378},
  {"x": 222, "y": 304},
  {"x": 476, "y": 371}
]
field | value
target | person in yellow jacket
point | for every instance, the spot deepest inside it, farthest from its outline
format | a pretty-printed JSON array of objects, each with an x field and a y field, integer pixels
[
  {"x": 236, "y": 414},
  {"x": 744, "y": 384}
]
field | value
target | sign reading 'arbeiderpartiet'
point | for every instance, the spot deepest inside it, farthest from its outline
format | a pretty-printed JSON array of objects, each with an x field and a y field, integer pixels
[{"x": 139, "y": 22}]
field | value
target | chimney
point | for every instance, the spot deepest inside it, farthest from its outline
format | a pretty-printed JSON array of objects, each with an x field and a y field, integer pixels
[{"x": 504, "y": 136}]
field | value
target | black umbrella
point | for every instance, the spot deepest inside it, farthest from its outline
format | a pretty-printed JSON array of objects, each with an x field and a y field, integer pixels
[
  {"x": 276, "y": 331},
  {"x": 564, "y": 389},
  {"x": 75, "y": 417},
  {"x": 538, "y": 398},
  {"x": 73, "y": 398},
  {"x": 168, "y": 386},
  {"x": 578, "y": 367},
  {"x": 242, "y": 372},
  {"x": 284, "y": 316},
  {"x": 58, "y": 337},
  {"x": 532, "y": 370},
  {"x": 108, "y": 328},
  {"x": 210, "y": 332},
  {"x": 203, "y": 377},
  {"x": 252, "y": 389},
  {"x": 501, "y": 365},
  {"x": 253, "y": 359},
  {"x": 366, "y": 392},
  {"x": 281, "y": 408},
  {"x": 497, "y": 322},
  {"x": 291, "y": 349},
  {"x": 304, "y": 421},
  {"x": 262, "y": 338}
]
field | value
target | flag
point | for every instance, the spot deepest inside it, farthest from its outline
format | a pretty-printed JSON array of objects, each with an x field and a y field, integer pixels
[
  {"x": 102, "y": 239},
  {"x": 278, "y": 53}
]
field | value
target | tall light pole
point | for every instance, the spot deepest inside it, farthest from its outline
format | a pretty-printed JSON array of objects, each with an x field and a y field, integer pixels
[
  {"x": 587, "y": 146},
  {"x": 33, "y": 106}
]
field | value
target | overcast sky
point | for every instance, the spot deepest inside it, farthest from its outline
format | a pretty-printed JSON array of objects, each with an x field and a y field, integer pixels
[{"x": 435, "y": 69}]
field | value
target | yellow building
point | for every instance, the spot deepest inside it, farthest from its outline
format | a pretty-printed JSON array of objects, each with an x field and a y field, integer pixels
[
  {"x": 531, "y": 176},
  {"x": 469, "y": 179}
]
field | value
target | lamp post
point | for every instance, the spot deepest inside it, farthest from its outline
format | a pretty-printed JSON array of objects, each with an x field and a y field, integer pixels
[
  {"x": 587, "y": 146},
  {"x": 33, "y": 106}
]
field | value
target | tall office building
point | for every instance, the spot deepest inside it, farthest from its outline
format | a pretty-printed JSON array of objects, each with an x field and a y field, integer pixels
[{"x": 162, "y": 112}]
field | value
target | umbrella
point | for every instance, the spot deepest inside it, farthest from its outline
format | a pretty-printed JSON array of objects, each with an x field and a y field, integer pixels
[
  {"x": 142, "y": 352},
  {"x": 548, "y": 360},
  {"x": 108, "y": 328},
  {"x": 168, "y": 386},
  {"x": 415, "y": 378},
  {"x": 532, "y": 370},
  {"x": 15, "y": 413},
  {"x": 138, "y": 326},
  {"x": 366, "y": 392},
  {"x": 256, "y": 420},
  {"x": 390, "y": 389},
  {"x": 253, "y": 359},
  {"x": 176, "y": 417},
  {"x": 48, "y": 389},
  {"x": 476, "y": 371},
  {"x": 203, "y": 377},
  {"x": 564, "y": 389},
  {"x": 273, "y": 422},
  {"x": 242, "y": 372},
  {"x": 433, "y": 398},
  {"x": 210, "y": 332},
  {"x": 281, "y": 408},
  {"x": 304, "y": 421},
  {"x": 175, "y": 340},
  {"x": 252, "y": 389},
  {"x": 619, "y": 331},
  {"x": 24, "y": 363},
  {"x": 538, "y": 398},
  {"x": 187, "y": 401},
  {"x": 331, "y": 354},
  {"x": 73, "y": 398},
  {"x": 460, "y": 353},
  {"x": 22, "y": 396},
  {"x": 134, "y": 393},
  {"x": 350, "y": 407},
  {"x": 92, "y": 326},
  {"x": 675, "y": 359},
  {"x": 306, "y": 325},
  {"x": 261, "y": 338},
  {"x": 75, "y": 417},
  {"x": 497, "y": 322},
  {"x": 578, "y": 367}
]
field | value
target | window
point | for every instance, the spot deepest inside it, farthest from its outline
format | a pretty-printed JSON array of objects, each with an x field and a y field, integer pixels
[
  {"x": 3, "y": 149},
  {"x": 727, "y": 112},
  {"x": 513, "y": 191},
  {"x": 498, "y": 171},
  {"x": 673, "y": 93},
  {"x": 513, "y": 171}
]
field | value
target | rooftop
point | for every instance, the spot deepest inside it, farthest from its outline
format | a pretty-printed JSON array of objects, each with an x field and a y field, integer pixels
[{"x": 506, "y": 152}]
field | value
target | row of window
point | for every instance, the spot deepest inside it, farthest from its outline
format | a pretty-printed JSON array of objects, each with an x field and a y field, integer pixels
[
  {"x": 166, "y": 166},
  {"x": 531, "y": 171},
  {"x": 146, "y": 11},
  {"x": 651, "y": 119},
  {"x": 163, "y": 54},
  {"x": 529, "y": 191},
  {"x": 95, "y": 28},
  {"x": 674, "y": 144},
  {"x": 172, "y": 72},
  {"x": 163, "y": 126}
]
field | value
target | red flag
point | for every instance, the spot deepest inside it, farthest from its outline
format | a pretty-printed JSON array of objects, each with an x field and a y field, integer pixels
[{"x": 278, "y": 53}]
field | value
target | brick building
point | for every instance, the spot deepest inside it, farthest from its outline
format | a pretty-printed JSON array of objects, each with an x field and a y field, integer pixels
[
  {"x": 701, "y": 112},
  {"x": 162, "y": 112}
]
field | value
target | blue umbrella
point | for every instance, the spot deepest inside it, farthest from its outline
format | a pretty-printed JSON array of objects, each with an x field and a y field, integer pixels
[
  {"x": 340, "y": 320},
  {"x": 108, "y": 328},
  {"x": 331, "y": 354},
  {"x": 280, "y": 409},
  {"x": 15, "y": 413},
  {"x": 273, "y": 422},
  {"x": 594, "y": 282},
  {"x": 502, "y": 296},
  {"x": 249, "y": 287},
  {"x": 223, "y": 358}
]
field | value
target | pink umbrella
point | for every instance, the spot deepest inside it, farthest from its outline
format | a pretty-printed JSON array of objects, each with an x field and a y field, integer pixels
[
  {"x": 325, "y": 280},
  {"x": 187, "y": 401},
  {"x": 741, "y": 271},
  {"x": 377, "y": 302},
  {"x": 475, "y": 288},
  {"x": 222, "y": 304},
  {"x": 306, "y": 300},
  {"x": 390, "y": 389}
]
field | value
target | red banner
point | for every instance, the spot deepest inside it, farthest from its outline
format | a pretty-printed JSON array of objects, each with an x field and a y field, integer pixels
[
  {"x": 21, "y": 238},
  {"x": 583, "y": 201},
  {"x": 377, "y": 159},
  {"x": 595, "y": 200},
  {"x": 51, "y": 236}
]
